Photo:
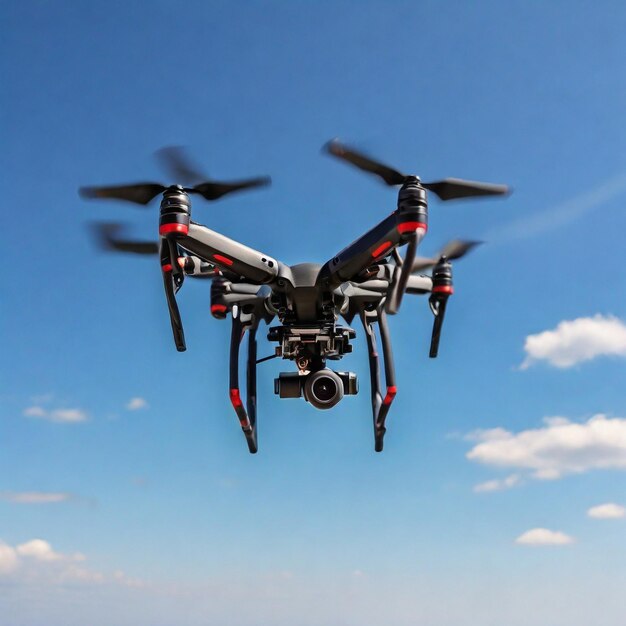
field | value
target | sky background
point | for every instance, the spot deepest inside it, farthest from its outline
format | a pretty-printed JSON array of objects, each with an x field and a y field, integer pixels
[{"x": 152, "y": 512}]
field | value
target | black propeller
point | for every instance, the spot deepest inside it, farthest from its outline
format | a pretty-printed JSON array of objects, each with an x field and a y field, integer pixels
[
  {"x": 107, "y": 234},
  {"x": 179, "y": 165},
  {"x": 455, "y": 249},
  {"x": 447, "y": 189}
]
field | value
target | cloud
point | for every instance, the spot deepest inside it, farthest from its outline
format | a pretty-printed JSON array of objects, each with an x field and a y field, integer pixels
[
  {"x": 607, "y": 511},
  {"x": 544, "y": 537},
  {"x": 35, "y": 411},
  {"x": 56, "y": 415},
  {"x": 39, "y": 550},
  {"x": 558, "y": 448},
  {"x": 8, "y": 559},
  {"x": 498, "y": 484},
  {"x": 35, "y": 561},
  {"x": 134, "y": 404},
  {"x": 34, "y": 497},
  {"x": 575, "y": 341}
]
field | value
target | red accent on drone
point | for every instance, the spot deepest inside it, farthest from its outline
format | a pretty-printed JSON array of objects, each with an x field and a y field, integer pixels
[
  {"x": 381, "y": 249},
  {"x": 443, "y": 289},
  {"x": 407, "y": 227},
  {"x": 218, "y": 308},
  {"x": 235, "y": 398},
  {"x": 391, "y": 394},
  {"x": 165, "y": 229},
  {"x": 166, "y": 268},
  {"x": 223, "y": 259}
]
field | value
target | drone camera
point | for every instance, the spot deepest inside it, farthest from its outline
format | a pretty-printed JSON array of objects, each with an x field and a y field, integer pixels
[{"x": 323, "y": 388}]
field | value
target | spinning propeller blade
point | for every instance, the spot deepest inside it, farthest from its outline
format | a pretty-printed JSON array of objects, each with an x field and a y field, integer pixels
[
  {"x": 455, "y": 249},
  {"x": 107, "y": 235},
  {"x": 214, "y": 190},
  {"x": 139, "y": 193},
  {"x": 453, "y": 188},
  {"x": 178, "y": 164},
  {"x": 365, "y": 163},
  {"x": 447, "y": 189}
]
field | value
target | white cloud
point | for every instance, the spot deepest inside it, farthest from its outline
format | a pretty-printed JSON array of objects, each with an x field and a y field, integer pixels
[
  {"x": 36, "y": 561},
  {"x": 607, "y": 511},
  {"x": 68, "y": 415},
  {"x": 34, "y": 497},
  {"x": 134, "y": 404},
  {"x": 498, "y": 484},
  {"x": 8, "y": 559},
  {"x": 35, "y": 411},
  {"x": 575, "y": 341},
  {"x": 544, "y": 537},
  {"x": 39, "y": 550},
  {"x": 56, "y": 415},
  {"x": 560, "y": 447}
]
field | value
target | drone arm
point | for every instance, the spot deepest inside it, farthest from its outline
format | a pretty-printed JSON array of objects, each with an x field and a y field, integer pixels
[
  {"x": 229, "y": 255},
  {"x": 377, "y": 243},
  {"x": 419, "y": 284},
  {"x": 247, "y": 420}
]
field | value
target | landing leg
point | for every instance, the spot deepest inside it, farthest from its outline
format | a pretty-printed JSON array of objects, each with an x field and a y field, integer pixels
[
  {"x": 247, "y": 425},
  {"x": 380, "y": 404}
]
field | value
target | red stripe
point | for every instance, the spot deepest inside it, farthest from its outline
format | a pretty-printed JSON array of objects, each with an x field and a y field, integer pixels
[
  {"x": 223, "y": 259},
  {"x": 218, "y": 308},
  {"x": 166, "y": 268},
  {"x": 443, "y": 289},
  {"x": 391, "y": 394},
  {"x": 406, "y": 227},
  {"x": 381, "y": 249},
  {"x": 235, "y": 398},
  {"x": 164, "y": 229}
]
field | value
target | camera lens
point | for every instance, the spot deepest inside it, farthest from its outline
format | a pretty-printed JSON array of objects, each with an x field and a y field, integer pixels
[{"x": 324, "y": 388}]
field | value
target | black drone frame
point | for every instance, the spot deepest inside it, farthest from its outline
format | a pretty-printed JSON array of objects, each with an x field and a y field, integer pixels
[{"x": 368, "y": 278}]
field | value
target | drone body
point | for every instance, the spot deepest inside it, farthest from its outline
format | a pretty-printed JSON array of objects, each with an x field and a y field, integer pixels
[{"x": 367, "y": 279}]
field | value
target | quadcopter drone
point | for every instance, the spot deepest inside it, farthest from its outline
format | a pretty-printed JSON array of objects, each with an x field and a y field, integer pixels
[{"x": 367, "y": 279}]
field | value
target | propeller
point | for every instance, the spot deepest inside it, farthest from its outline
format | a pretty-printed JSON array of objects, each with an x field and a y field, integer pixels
[
  {"x": 446, "y": 189},
  {"x": 107, "y": 234},
  {"x": 176, "y": 161},
  {"x": 455, "y": 249}
]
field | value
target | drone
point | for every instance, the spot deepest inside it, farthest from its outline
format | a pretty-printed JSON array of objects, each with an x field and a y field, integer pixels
[{"x": 368, "y": 279}]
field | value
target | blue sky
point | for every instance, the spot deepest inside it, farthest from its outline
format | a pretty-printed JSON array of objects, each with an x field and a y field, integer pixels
[{"x": 479, "y": 511}]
